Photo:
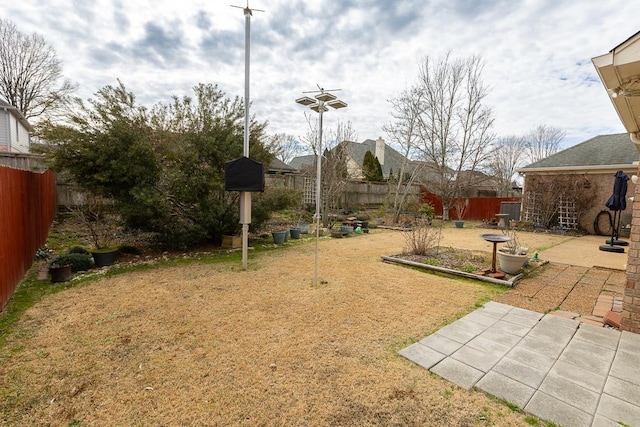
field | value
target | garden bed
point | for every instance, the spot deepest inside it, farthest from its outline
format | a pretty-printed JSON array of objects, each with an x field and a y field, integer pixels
[{"x": 459, "y": 262}]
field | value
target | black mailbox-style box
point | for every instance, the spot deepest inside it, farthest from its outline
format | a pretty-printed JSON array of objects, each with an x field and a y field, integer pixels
[{"x": 243, "y": 174}]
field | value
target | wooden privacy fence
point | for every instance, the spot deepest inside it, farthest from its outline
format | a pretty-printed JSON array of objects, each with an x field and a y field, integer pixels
[
  {"x": 355, "y": 193},
  {"x": 374, "y": 193},
  {"x": 479, "y": 207},
  {"x": 27, "y": 209}
]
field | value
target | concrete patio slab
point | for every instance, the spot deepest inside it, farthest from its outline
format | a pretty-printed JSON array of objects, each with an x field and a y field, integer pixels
[
  {"x": 600, "y": 421},
  {"x": 589, "y": 356},
  {"x": 506, "y": 388},
  {"x": 623, "y": 390},
  {"x": 422, "y": 355},
  {"x": 607, "y": 338},
  {"x": 543, "y": 347},
  {"x": 442, "y": 343},
  {"x": 525, "y": 374},
  {"x": 618, "y": 410},
  {"x": 557, "y": 411},
  {"x": 530, "y": 358},
  {"x": 625, "y": 366},
  {"x": 457, "y": 372},
  {"x": 500, "y": 337},
  {"x": 558, "y": 369},
  {"x": 630, "y": 342},
  {"x": 481, "y": 360},
  {"x": 571, "y": 393}
]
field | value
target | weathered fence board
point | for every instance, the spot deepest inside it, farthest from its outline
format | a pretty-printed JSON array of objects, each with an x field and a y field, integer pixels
[
  {"x": 479, "y": 207},
  {"x": 27, "y": 209}
]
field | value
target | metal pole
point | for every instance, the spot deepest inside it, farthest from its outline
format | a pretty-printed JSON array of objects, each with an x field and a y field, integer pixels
[
  {"x": 246, "y": 198},
  {"x": 247, "y": 55},
  {"x": 318, "y": 189}
]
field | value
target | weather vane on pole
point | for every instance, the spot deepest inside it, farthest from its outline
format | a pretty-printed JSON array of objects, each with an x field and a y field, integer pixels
[{"x": 245, "y": 196}]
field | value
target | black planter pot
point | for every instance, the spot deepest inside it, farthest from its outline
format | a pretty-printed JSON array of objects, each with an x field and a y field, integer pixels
[
  {"x": 104, "y": 258},
  {"x": 60, "y": 274}
]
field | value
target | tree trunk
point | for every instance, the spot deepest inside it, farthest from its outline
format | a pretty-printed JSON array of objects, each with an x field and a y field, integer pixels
[{"x": 445, "y": 212}]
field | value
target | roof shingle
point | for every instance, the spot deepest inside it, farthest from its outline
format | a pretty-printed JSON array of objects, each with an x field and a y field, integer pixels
[{"x": 602, "y": 150}]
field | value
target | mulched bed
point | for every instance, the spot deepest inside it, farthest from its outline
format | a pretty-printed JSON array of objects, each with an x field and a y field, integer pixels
[{"x": 452, "y": 258}]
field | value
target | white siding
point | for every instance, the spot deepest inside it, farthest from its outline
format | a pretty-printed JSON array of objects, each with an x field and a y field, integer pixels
[
  {"x": 14, "y": 136},
  {"x": 22, "y": 142},
  {"x": 5, "y": 118}
]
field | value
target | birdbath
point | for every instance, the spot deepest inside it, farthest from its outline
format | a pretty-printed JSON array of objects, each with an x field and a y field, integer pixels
[{"x": 495, "y": 239}]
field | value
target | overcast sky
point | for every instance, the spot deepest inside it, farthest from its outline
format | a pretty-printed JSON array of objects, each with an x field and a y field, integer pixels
[{"x": 537, "y": 53}]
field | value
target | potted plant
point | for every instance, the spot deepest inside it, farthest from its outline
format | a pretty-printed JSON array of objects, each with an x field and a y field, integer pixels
[
  {"x": 512, "y": 255},
  {"x": 60, "y": 270},
  {"x": 294, "y": 232},
  {"x": 43, "y": 253},
  {"x": 279, "y": 236},
  {"x": 301, "y": 220},
  {"x": 461, "y": 207},
  {"x": 102, "y": 223}
]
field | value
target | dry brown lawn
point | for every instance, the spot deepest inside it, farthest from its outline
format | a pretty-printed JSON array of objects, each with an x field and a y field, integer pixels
[{"x": 214, "y": 345}]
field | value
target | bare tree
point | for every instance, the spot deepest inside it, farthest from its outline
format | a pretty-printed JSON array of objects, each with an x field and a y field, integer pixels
[
  {"x": 310, "y": 139},
  {"x": 341, "y": 133},
  {"x": 506, "y": 159},
  {"x": 403, "y": 131},
  {"x": 543, "y": 200},
  {"x": 454, "y": 124},
  {"x": 284, "y": 147},
  {"x": 542, "y": 142},
  {"x": 29, "y": 73},
  {"x": 335, "y": 171}
]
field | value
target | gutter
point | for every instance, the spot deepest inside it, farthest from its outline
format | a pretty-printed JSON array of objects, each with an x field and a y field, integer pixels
[{"x": 590, "y": 168}]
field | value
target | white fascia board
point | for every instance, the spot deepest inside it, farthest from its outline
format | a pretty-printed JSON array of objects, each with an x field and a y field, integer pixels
[{"x": 583, "y": 169}]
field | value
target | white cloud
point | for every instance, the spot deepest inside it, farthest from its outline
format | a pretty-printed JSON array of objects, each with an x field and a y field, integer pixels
[{"x": 537, "y": 53}]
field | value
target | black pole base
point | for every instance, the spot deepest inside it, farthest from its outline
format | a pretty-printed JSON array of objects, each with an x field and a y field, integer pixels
[
  {"x": 617, "y": 242},
  {"x": 610, "y": 248}
]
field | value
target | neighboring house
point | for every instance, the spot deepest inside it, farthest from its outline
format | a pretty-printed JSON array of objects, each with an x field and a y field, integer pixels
[
  {"x": 570, "y": 187},
  {"x": 280, "y": 174},
  {"x": 14, "y": 130},
  {"x": 480, "y": 184},
  {"x": 390, "y": 159},
  {"x": 277, "y": 166},
  {"x": 303, "y": 162}
]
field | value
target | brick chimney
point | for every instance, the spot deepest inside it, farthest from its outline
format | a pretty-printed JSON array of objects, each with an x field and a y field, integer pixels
[{"x": 380, "y": 146}]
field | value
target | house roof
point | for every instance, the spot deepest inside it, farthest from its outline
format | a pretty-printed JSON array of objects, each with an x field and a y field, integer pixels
[
  {"x": 356, "y": 150},
  {"x": 278, "y": 166},
  {"x": 302, "y": 161},
  {"x": 600, "y": 151},
  {"x": 16, "y": 113},
  {"x": 619, "y": 71},
  {"x": 392, "y": 159}
]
